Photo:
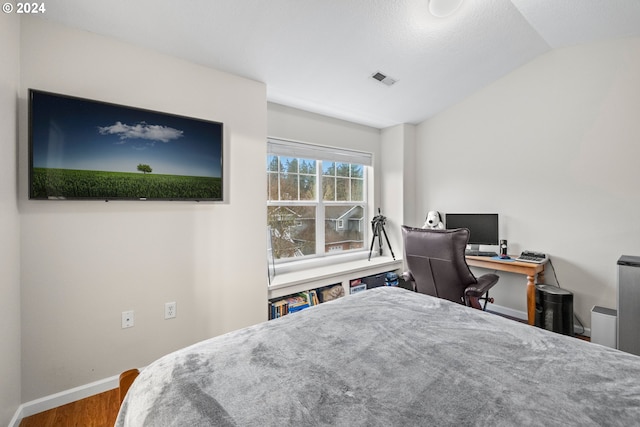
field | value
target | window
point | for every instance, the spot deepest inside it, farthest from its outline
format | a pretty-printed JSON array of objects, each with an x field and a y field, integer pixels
[{"x": 316, "y": 200}]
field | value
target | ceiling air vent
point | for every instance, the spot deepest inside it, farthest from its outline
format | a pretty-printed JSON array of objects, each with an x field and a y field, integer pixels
[{"x": 383, "y": 78}]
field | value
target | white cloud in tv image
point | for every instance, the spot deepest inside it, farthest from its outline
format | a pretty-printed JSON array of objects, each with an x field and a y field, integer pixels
[{"x": 141, "y": 131}]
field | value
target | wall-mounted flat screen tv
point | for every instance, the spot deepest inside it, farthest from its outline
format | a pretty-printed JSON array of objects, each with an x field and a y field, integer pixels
[{"x": 82, "y": 149}]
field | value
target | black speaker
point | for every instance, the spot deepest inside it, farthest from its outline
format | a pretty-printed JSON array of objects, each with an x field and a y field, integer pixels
[{"x": 554, "y": 309}]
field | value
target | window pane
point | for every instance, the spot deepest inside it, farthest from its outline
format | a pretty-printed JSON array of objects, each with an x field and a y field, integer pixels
[
  {"x": 307, "y": 166},
  {"x": 288, "y": 165},
  {"x": 307, "y": 187},
  {"x": 344, "y": 228},
  {"x": 357, "y": 190},
  {"x": 293, "y": 230},
  {"x": 342, "y": 169},
  {"x": 328, "y": 168},
  {"x": 328, "y": 188},
  {"x": 288, "y": 186},
  {"x": 342, "y": 189},
  {"x": 272, "y": 163},
  {"x": 357, "y": 171},
  {"x": 272, "y": 186},
  {"x": 296, "y": 179}
]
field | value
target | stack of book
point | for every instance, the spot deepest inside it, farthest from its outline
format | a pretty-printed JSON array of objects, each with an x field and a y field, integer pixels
[
  {"x": 311, "y": 297},
  {"x": 292, "y": 304},
  {"x": 278, "y": 309},
  {"x": 296, "y": 303}
]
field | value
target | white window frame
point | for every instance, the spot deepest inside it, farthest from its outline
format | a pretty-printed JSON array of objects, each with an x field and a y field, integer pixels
[{"x": 296, "y": 149}]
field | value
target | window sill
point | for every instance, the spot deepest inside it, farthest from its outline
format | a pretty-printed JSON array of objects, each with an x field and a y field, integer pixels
[{"x": 311, "y": 278}]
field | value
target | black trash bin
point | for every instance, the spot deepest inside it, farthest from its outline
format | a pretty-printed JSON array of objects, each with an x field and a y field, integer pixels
[{"x": 554, "y": 309}]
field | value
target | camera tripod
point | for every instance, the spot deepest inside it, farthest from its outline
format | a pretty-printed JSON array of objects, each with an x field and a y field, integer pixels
[{"x": 377, "y": 225}]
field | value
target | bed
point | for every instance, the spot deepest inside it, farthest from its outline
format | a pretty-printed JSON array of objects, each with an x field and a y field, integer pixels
[{"x": 387, "y": 357}]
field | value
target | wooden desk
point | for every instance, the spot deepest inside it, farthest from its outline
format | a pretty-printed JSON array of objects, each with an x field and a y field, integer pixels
[{"x": 529, "y": 269}]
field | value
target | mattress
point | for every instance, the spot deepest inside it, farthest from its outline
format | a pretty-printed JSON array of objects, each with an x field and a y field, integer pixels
[{"x": 388, "y": 357}]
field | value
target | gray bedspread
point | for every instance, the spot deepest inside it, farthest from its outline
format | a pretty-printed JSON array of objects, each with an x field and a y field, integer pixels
[{"x": 388, "y": 357}]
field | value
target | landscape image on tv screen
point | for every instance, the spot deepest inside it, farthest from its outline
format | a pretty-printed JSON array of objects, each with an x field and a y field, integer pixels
[{"x": 84, "y": 149}]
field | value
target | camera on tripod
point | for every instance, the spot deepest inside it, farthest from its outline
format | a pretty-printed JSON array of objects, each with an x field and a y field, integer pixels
[
  {"x": 377, "y": 226},
  {"x": 378, "y": 220}
]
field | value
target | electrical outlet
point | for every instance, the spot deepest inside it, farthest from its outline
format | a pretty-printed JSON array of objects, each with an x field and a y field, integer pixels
[
  {"x": 170, "y": 310},
  {"x": 127, "y": 319}
]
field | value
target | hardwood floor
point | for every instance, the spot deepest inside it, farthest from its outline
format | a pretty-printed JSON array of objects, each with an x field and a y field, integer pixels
[{"x": 100, "y": 410}]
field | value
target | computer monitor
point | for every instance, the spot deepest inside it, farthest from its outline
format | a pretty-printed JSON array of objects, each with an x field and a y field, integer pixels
[{"x": 483, "y": 227}]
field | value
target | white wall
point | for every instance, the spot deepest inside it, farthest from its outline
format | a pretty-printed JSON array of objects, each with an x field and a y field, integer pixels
[
  {"x": 9, "y": 219},
  {"x": 553, "y": 147},
  {"x": 297, "y": 125},
  {"x": 398, "y": 185},
  {"x": 83, "y": 263}
]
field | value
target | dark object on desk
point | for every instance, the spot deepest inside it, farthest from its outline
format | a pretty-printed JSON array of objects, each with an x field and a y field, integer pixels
[
  {"x": 503, "y": 249},
  {"x": 530, "y": 256},
  {"x": 554, "y": 309},
  {"x": 436, "y": 264},
  {"x": 471, "y": 252},
  {"x": 483, "y": 228}
]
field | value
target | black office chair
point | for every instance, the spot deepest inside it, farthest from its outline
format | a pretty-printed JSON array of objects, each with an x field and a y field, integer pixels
[{"x": 437, "y": 266}]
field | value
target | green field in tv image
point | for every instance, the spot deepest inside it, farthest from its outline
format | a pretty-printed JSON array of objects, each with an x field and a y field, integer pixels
[{"x": 82, "y": 184}]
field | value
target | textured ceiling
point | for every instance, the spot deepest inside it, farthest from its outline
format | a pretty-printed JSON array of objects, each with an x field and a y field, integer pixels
[{"x": 318, "y": 55}]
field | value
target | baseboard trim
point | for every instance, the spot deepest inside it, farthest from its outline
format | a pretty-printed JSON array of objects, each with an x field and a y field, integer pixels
[
  {"x": 62, "y": 398},
  {"x": 517, "y": 314},
  {"x": 17, "y": 418}
]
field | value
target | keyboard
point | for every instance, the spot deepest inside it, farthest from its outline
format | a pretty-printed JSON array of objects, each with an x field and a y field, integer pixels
[
  {"x": 480, "y": 253},
  {"x": 535, "y": 257}
]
